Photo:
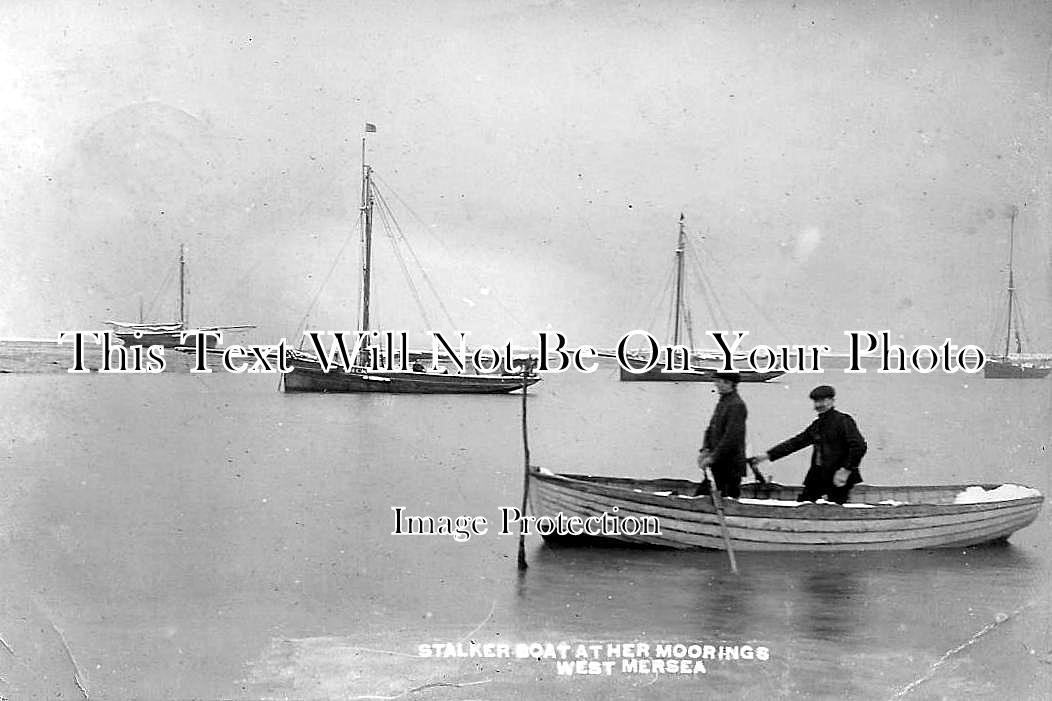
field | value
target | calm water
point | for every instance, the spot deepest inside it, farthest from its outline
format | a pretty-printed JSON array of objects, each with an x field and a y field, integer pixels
[{"x": 181, "y": 536}]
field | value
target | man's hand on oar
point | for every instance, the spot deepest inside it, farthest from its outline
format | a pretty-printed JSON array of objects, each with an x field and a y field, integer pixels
[
  {"x": 753, "y": 462},
  {"x": 704, "y": 460}
]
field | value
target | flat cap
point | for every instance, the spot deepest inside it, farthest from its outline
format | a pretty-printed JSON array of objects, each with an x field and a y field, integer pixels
[
  {"x": 733, "y": 376},
  {"x": 822, "y": 392}
]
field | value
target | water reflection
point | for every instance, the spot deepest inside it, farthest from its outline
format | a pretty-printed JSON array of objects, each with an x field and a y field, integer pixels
[
  {"x": 845, "y": 625},
  {"x": 829, "y": 597},
  {"x": 830, "y": 604},
  {"x": 615, "y": 589}
]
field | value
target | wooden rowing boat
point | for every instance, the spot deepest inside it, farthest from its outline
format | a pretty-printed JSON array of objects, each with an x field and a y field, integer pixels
[{"x": 768, "y": 518}]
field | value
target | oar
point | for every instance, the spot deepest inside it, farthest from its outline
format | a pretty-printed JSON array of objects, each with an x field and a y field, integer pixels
[
  {"x": 704, "y": 476},
  {"x": 717, "y": 502},
  {"x": 756, "y": 472},
  {"x": 764, "y": 483}
]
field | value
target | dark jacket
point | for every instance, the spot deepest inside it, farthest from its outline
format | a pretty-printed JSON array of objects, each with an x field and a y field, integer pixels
[
  {"x": 837, "y": 443},
  {"x": 725, "y": 436}
]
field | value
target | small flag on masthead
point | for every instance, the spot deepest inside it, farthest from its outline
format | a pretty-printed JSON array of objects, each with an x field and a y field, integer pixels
[{"x": 369, "y": 127}]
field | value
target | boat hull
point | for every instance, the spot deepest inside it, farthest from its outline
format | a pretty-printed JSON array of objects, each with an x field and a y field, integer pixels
[
  {"x": 1013, "y": 370},
  {"x": 658, "y": 374},
  {"x": 304, "y": 378},
  {"x": 928, "y": 518}
]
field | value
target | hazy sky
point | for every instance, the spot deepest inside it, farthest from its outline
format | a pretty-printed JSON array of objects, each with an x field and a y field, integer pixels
[{"x": 849, "y": 164}]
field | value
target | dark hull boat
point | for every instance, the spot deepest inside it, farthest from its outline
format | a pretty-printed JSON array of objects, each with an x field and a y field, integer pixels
[
  {"x": 681, "y": 325},
  {"x": 767, "y": 517},
  {"x": 658, "y": 374},
  {"x": 308, "y": 374},
  {"x": 307, "y": 378},
  {"x": 1010, "y": 369}
]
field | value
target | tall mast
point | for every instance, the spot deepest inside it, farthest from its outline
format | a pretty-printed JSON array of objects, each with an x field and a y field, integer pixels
[
  {"x": 367, "y": 231},
  {"x": 680, "y": 245},
  {"x": 1011, "y": 277},
  {"x": 182, "y": 288}
]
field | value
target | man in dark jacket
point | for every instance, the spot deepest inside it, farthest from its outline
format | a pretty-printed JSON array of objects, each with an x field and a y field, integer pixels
[
  {"x": 838, "y": 450},
  {"x": 723, "y": 450}
]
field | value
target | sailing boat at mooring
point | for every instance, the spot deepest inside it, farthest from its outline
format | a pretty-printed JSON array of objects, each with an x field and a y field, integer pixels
[
  {"x": 1015, "y": 366},
  {"x": 693, "y": 371},
  {"x": 167, "y": 333},
  {"x": 313, "y": 374}
]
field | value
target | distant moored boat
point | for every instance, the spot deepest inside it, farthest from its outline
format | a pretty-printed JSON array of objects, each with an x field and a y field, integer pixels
[
  {"x": 1008, "y": 366},
  {"x": 310, "y": 374},
  {"x": 694, "y": 370},
  {"x": 168, "y": 334}
]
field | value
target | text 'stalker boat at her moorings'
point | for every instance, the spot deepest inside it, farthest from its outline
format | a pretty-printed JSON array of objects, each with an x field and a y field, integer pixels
[
  {"x": 313, "y": 374},
  {"x": 767, "y": 517}
]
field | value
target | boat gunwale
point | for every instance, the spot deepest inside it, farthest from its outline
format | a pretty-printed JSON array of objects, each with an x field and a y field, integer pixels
[
  {"x": 805, "y": 510},
  {"x": 689, "y": 521},
  {"x": 417, "y": 377},
  {"x": 315, "y": 380}
]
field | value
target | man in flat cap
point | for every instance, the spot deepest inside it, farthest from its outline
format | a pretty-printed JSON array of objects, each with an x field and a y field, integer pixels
[
  {"x": 838, "y": 450},
  {"x": 723, "y": 450}
]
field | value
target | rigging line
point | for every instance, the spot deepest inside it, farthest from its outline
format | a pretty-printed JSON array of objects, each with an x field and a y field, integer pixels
[
  {"x": 157, "y": 294},
  {"x": 745, "y": 293},
  {"x": 669, "y": 295},
  {"x": 1020, "y": 324},
  {"x": 480, "y": 283},
  {"x": 361, "y": 294},
  {"x": 666, "y": 291},
  {"x": 385, "y": 221},
  {"x": 709, "y": 296},
  {"x": 999, "y": 315},
  {"x": 996, "y": 311},
  {"x": 657, "y": 301},
  {"x": 689, "y": 320},
  {"x": 716, "y": 301},
  {"x": 671, "y": 321},
  {"x": 709, "y": 291},
  {"x": 302, "y": 326},
  {"x": 716, "y": 314},
  {"x": 712, "y": 300},
  {"x": 658, "y": 305},
  {"x": 186, "y": 295},
  {"x": 719, "y": 265},
  {"x": 668, "y": 325},
  {"x": 389, "y": 215},
  {"x": 423, "y": 272}
]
